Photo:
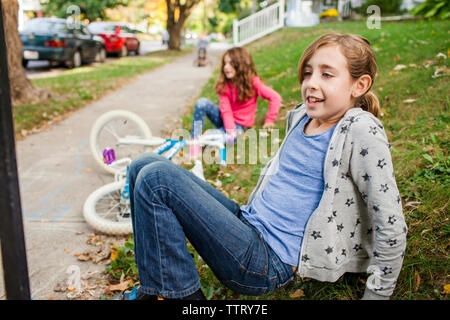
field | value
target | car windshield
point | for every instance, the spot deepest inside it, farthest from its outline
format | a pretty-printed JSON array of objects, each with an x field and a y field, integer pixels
[
  {"x": 45, "y": 26},
  {"x": 102, "y": 27}
]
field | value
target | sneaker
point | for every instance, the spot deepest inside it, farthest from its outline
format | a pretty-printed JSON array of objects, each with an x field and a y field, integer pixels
[{"x": 135, "y": 293}]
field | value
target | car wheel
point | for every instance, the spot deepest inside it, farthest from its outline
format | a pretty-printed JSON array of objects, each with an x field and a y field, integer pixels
[
  {"x": 75, "y": 62},
  {"x": 138, "y": 50},
  {"x": 124, "y": 51},
  {"x": 101, "y": 55}
]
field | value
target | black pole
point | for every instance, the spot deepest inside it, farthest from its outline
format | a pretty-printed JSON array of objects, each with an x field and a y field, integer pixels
[{"x": 15, "y": 270}]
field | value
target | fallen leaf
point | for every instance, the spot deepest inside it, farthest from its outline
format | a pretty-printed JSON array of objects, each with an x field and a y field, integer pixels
[
  {"x": 409, "y": 100},
  {"x": 114, "y": 254},
  {"x": 67, "y": 250},
  {"x": 399, "y": 67},
  {"x": 441, "y": 55},
  {"x": 71, "y": 289},
  {"x": 89, "y": 274},
  {"x": 84, "y": 257},
  {"x": 61, "y": 286},
  {"x": 428, "y": 63},
  {"x": 425, "y": 231},
  {"x": 297, "y": 294},
  {"x": 413, "y": 204},
  {"x": 121, "y": 286},
  {"x": 446, "y": 289},
  {"x": 417, "y": 281},
  {"x": 438, "y": 72}
]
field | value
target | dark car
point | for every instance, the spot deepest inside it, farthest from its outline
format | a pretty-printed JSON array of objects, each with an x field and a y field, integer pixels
[
  {"x": 57, "y": 41},
  {"x": 119, "y": 39}
]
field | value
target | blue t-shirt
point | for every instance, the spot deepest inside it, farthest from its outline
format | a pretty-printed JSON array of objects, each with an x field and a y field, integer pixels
[{"x": 280, "y": 212}]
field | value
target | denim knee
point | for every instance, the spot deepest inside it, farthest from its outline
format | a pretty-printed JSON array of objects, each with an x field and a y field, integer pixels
[
  {"x": 141, "y": 161},
  {"x": 202, "y": 102},
  {"x": 159, "y": 169}
]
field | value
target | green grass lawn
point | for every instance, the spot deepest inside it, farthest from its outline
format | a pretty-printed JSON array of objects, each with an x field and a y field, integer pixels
[
  {"x": 415, "y": 106},
  {"x": 73, "y": 89}
]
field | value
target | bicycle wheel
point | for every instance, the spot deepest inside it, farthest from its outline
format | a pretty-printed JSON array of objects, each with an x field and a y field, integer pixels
[
  {"x": 111, "y": 127},
  {"x": 107, "y": 211}
]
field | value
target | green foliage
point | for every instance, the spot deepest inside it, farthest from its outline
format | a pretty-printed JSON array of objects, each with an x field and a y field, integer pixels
[
  {"x": 437, "y": 169},
  {"x": 123, "y": 261},
  {"x": 91, "y": 9},
  {"x": 229, "y": 6},
  {"x": 386, "y": 6},
  {"x": 433, "y": 9}
]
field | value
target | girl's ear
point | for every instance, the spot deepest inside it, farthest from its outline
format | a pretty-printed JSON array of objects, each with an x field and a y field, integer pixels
[{"x": 361, "y": 86}]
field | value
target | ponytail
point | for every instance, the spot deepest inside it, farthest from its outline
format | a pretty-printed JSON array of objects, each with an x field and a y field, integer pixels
[{"x": 369, "y": 102}]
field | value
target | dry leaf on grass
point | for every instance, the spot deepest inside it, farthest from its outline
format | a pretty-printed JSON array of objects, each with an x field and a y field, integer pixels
[
  {"x": 121, "y": 286},
  {"x": 417, "y": 281},
  {"x": 114, "y": 253},
  {"x": 399, "y": 67},
  {"x": 446, "y": 289},
  {"x": 297, "y": 294}
]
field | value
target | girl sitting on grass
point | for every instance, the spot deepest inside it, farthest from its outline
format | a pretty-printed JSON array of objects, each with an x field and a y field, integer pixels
[
  {"x": 238, "y": 88},
  {"x": 326, "y": 204}
]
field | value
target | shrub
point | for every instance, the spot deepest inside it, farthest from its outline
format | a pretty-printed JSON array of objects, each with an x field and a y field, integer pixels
[{"x": 386, "y": 6}]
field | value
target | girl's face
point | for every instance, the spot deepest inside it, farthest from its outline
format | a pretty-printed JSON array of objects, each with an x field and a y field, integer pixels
[
  {"x": 228, "y": 68},
  {"x": 327, "y": 86}
]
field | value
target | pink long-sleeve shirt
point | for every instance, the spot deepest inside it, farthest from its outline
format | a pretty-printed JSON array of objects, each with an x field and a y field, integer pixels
[{"x": 234, "y": 111}]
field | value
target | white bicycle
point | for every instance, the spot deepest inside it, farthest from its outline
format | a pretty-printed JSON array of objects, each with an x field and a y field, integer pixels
[{"x": 115, "y": 139}]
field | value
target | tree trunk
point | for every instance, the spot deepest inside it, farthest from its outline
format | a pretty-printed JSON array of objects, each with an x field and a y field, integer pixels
[
  {"x": 176, "y": 16},
  {"x": 21, "y": 87},
  {"x": 174, "y": 38}
]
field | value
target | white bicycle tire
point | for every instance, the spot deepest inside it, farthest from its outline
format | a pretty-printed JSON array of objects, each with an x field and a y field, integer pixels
[
  {"x": 102, "y": 121},
  {"x": 99, "y": 223}
]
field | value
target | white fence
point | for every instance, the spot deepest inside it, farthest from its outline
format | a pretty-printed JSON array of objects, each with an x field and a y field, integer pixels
[
  {"x": 258, "y": 24},
  {"x": 344, "y": 8}
]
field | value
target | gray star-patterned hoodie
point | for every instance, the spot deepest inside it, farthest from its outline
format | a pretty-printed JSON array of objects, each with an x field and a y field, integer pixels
[{"x": 358, "y": 225}]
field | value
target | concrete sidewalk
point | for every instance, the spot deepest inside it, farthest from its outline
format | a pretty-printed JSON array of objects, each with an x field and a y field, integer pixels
[{"x": 57, "y": 173}]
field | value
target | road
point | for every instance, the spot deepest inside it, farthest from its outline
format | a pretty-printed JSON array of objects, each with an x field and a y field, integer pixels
[{"x": 42, "y": 69}]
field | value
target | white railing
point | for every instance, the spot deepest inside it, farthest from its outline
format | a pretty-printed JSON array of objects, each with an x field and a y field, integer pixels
[
  {"x": 344, "y": 8},
  {"x": 258, "y": 24}
]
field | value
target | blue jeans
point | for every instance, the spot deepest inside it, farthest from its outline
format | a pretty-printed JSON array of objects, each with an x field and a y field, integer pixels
[
  {"x": 170, "y": 204},
  {"x": 206, "y": 108}
]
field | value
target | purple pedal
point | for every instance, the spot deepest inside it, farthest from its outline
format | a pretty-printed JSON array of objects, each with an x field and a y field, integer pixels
[{"x": 109, "y": 156}]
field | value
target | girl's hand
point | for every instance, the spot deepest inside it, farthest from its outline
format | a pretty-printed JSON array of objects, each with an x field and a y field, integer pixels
[{"x": 231, "y": 137}]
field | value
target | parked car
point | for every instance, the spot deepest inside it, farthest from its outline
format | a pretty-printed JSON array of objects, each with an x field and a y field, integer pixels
[
  {"x": 52, "y": 39},
  {"x": 119, "y": 39}
]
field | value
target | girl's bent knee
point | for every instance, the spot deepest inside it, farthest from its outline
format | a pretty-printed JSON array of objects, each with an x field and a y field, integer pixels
[
  {"x": 142, "y": 160},
  {"x": 201, "y": 103}
]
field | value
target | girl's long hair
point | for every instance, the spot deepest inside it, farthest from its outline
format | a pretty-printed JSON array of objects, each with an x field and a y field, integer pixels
[
  {"x": 242, "y": 62},
  {"x": 360, "y": 60}
]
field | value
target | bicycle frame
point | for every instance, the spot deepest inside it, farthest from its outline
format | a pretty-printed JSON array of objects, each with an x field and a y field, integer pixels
[{"x": 171, "y": 146}]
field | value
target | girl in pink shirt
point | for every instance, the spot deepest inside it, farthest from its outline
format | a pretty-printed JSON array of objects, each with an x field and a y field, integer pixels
[{"x": 238, "y": 88}]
